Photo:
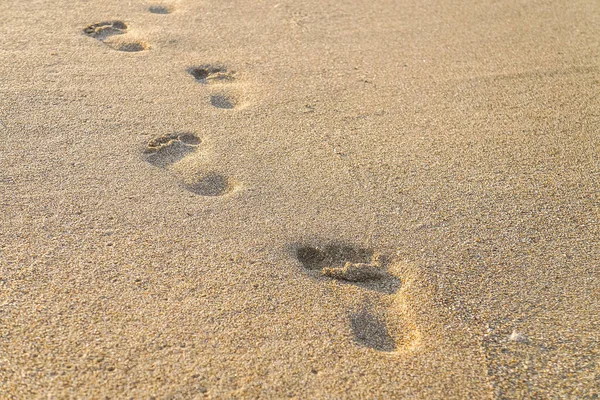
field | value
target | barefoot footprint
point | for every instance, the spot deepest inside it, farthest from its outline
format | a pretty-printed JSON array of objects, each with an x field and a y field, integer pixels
[
  {"x": 372, "y": 324},
  {"x": 370, "y": 329},
  {"x": 223, "y": 101},
  {"x": 167, "y": 150},
  {"x": 103, "y": 30},
  {"x": 216, "y": 75},
  {"x": 210, "y": 74},
  {"x": 160, "y": 9},
  {"x": 350, "y": 264},
  {"x": 108, "y": 31}
]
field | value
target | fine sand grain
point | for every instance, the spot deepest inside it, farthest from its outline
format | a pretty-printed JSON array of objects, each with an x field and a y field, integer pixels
[{"x": 299, "y": 199}]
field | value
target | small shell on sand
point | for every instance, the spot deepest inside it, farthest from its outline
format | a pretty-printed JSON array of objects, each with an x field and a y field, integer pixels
[{"x": 517, "y": 337}]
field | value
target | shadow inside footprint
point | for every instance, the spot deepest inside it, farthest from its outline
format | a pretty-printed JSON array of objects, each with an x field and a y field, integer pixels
[
  {"x": 159, "y": 9},
  {"x": 103, "y": 30},
  {"x": 371, "y": 331},
  {"x": 222, "y": 101},
  {"x": 167, "y": 149},
  {"x": 189, "y": 139},
  {"x": 211, "y": 184},
  {"x": 130, "y": 46}
]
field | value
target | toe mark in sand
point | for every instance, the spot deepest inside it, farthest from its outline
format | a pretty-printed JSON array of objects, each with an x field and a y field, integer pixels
[
  {"x": 223, "y": 101},
  {"x": 350, "y": 264},
  {"x": 165, "y": 150},
  {"x": 331, "y": 256},
  {"x": 370, "y": 330},
  {"x": 103, "y": 30},
  {"x": 160, "y": 9},
  {"x": 211, "y": 74},
  {"x": 211, "y": 184}
]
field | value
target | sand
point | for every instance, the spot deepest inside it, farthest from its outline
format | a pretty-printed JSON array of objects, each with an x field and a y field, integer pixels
[{"x": 283, "y": 199}]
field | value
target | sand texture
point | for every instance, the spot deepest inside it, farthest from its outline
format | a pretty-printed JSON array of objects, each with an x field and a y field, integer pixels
[{"x": 314, "y": 199}]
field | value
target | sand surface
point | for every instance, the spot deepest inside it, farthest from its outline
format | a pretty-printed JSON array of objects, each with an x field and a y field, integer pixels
[{"x": 299, "y": 199}]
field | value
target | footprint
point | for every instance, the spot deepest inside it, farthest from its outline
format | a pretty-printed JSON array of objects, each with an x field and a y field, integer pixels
[
  {"x": 223, "y": 101},
  {"x": 370, "y": 324},
  {"x": 160, "y": 9},
  {"x": 109, "y": 32},
  {"x": 210, "y": 74},
  {"x": 370, "y": 330},
  {"x": 210, "y": 184},
  {"x": 166, "y": 150},
  {"x": 218, "y": 75},
  {"x": 332, "y": 255},
  {"x": 349, "y": 264},
  {"x": 103, "y": 30},
  {"x": 128, "y": 45}
]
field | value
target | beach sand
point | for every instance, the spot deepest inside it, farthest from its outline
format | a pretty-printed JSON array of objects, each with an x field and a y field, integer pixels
[{"x": 282, "y": 199}]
